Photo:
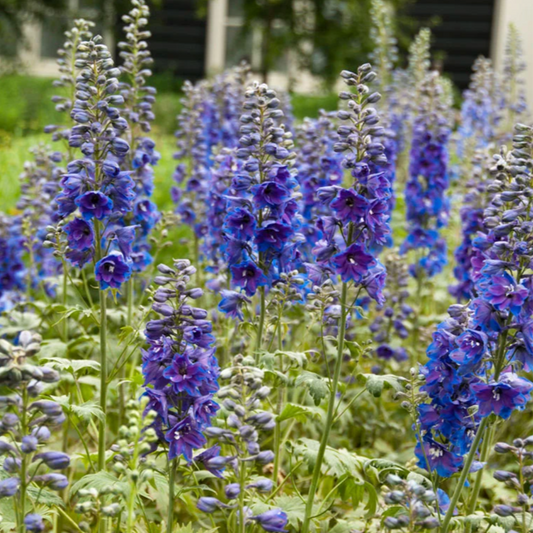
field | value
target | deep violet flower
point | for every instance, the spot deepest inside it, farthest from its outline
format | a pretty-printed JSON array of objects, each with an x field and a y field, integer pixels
[
  {"x": 112, "y": 271},
  {"x": 248, "y": 276},
  {"x": 232, "y": 303},
  {"x": 503, "y": 397},
  {"x": 353, "y": 263},
  {"x": 94, "y": 204},
  {"x": 80, "y": 234}
]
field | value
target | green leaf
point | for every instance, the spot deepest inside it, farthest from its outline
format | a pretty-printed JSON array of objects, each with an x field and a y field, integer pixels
[
  {"x": 299, "y": 412},
  {"x": 125, "y": 332},
  {"x": 294, "y": 507},
  {"x": 46, "y": 497},
  {"x": 376, "y": 383},
  {"x": 99, "y": 481},
  {"x": 72, "y": 365},
  {"x": 337, "y": 462},
  {"x": 393, "y": 510},
  {"x": 372, "y": 502},
  {"x": 315, "y": 384},
  {"x": 7, "y": 512},
  {"x": 160, "y": 493},
  {"x": 15, "y": 322},
  {"x": 343, "y": 526},
  {"x": 298, "y": 359},
  {"x": 53, "y": 348},
  {"x": 350, "y": 488},
  {"x": 86, "y": 411},
  {"x": 354, "y": 347}
]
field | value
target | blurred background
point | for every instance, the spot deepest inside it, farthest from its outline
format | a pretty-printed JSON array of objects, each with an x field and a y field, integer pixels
[{"x": 298, "y": 45}]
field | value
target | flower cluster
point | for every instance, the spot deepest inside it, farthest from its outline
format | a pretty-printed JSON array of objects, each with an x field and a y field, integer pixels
[
  {"x": 419, "y": 506},
  {"x": 385, "y": 52},
  {"x": 225, "y": 166},
  {"x": 513, "y": 101},
  {"x": 138, "y": 101},
  {"x": 194, "y": 153},
  {"x": 95, "y": 186},
  {"x": 243, "y": 420},
  {"x": 12, "y": 267},
  {"x": 68, "y": 69},
  {"x": 26, "y": 425},
  {"x": 474, "y": 203},
  {"x": 390, "y": 322},
  {"x": 480, "y": 113},
  {"x": 130, "y": 464},
  {"x": 425, "y": 194},
  {"x": 494, "y": 328},
  {"x": 521, "y": 511},
  {"x": 180, "y": 368},
  {"x": 360, "y": 212},
  {"x": 261, "y": 223},
  {"x": 39, "y": 185},
  {"x": 318, "y": 166}
]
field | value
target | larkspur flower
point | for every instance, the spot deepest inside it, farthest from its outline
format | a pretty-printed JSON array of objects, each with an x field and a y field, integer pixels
[
  {"x": 112, "y": 271},
  {"x": 261, "y": 227},
  {"x": 26, "y": 424},
  {"x": 476, "y": 353},
  {"x": 503, "y": 397},
  {"x": 95, "y": 184},
  {"x": 427, "y": 205},
  {"x": 389, "y": 324},
  {"x": 179, "y": 366}
]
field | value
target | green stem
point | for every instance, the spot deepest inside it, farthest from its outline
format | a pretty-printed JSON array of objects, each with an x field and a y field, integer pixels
[
  {"x": 487, "y": 444},
  {"x": 329, "y": 417},
  {"x": 122, "y": 370},
  {"x": 242, "y": 483},
  {"x": 464, "y": 474},
  {"x": 281, "y": 396},
  {"x": 103, "y": 381},
  {"x": 133, "y": 494},
  {"x": 171, "y": 487},
  {"x": 485, "y": 450},
  {"x": 261, "y": 325},
  {"x": 416, "y": 321},
  {"x": 24, "y": 462},
  {"x": 64, "y": 297}
]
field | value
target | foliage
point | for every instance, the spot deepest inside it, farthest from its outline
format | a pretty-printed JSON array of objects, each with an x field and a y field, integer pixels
[{"x": 291, "y": 373}]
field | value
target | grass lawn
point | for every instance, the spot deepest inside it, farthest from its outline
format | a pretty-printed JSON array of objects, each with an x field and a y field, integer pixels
[{"x": 14, "y": 151}]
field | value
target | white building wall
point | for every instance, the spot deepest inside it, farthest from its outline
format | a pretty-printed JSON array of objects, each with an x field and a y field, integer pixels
[{"x": 519, "y": 13}]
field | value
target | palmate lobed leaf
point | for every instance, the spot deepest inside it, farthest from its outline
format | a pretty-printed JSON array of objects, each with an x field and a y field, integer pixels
[
  {"x": 300, "y": 412},
  {"x": 72, "y": 365},
  {"x": 86, "y": 411},
  {"x": 336, "y": 462},
  {"x": 15, "y": 322},
  {"x": 315, "y": 384},
  {"x": 99, "y": 481},
  {"x": 375, "y": 383}
]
